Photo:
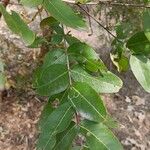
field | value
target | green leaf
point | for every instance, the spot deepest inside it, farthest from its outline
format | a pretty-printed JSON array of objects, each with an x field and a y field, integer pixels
[
  {"x": 17, "y": 25},
  {"x": 146, "y": 23},
  {"x": 86, "y": 55},
  {"x": 84, "y": 50},
  {"x": 140, "y": 66},
  {"x": 56, "y": 39},
  {"x": 57, "y": 56},
  {"x": 53, "y": 80},
  {"x": 80, "y": 148},
  {"x": 31, "y": 3},
  {"x": 37, "y": 42},
  {"x": 121, "y": 63},
  {"x": 66, "y": 138},
  {"x": 63, "y": 13},
  {"x": 47, "y": 110},
  {"x": 71, "y": 39},
  {"x": 139, "y": 43},
  {"x": 57, "y": 122},
  {"x": 49, "y": 21},
  {"x": 106, "y": 83},
  {"x": 87, "y": 102},
  {"x": 98, "y": 136}
]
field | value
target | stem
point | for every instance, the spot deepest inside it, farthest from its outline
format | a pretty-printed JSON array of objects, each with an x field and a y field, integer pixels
[
  {"x": 110, "y": 4},
  {"x": 97, "y": 21},
  {"x": 68, "y": 63}
]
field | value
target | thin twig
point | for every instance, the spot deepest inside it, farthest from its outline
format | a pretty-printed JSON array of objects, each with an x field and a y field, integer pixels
[
  {"x": 36, "y": 14},
  {"x": 96, "y": 21},
  {"x": 90, "y": 23},
  {"x": 110, "y": 3}
]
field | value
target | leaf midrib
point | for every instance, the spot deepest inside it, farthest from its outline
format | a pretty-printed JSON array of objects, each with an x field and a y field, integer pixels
[
  {"x": 88, "y": 103},
  {"x": 60, "y": 13},
  {"x": 57, "y": 126},
  {"x": 88, "y": 76},
  {"x": 94, "y": 136}
]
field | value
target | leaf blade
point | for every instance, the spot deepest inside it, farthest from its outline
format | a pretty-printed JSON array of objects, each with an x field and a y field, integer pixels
[
  {"x": 107, "y": 83},
  {"x": 87, "y": 102},
  {"x": 53, "y": 80},
  {"x": 63, "y": 13},
  {"x": 140, "y": 66},
  {"x": 99, "y": 136},
  {"x": 57, "y": 122}
]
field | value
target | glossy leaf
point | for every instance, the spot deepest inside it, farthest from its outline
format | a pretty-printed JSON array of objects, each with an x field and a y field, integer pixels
[
  {"x": 139, "y": 43},
  {"x": 66, "y": 138},
  {"x": 87, "y": 102},
  {"x": 63, "y": 13},
  {"x": 140, "y": 66},
  {"x": 99, "y": 137},
  {"x": 31, "y": 3},
  {"x": 57, "y": 122},
  {"x": 146, "y": 24},
  {"x": 53, "y": 80},
  {"x": 106, "y": 83},
  {"x": 18, "y": 26}
]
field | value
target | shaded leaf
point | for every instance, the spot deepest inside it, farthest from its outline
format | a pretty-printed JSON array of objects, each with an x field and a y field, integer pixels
[
  {"x": 57, "y": 122},
  {"x": 87, "y": 102},
  {"x": 47, "y": 110},
  {"x": 139, "y": 43},
  {"x": 140, "y": 66},
  {"x": 146, "y": 23},
  {"x": 66, "y": 138},
  {"x": 53, "y": 80},
  {"x": 71, "y": 39},
  {"x": 84, "y": 50}
]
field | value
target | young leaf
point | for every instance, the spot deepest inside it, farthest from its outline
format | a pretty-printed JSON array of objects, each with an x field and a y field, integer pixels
[
  {"x": 66, "y": 138},
  {"x": 17, "y": 25},
  {"x": 140, "y": 66},
  {"x": 121, "y": 63},
  {"x": 87, "y": 102},
  {"x": 57, "y": 122},
  {"x": 31, "y": 3},
  {"x": 63, "y": 13},
  {"x": 107, "y": 83},
  {"x": 146, "y": 23},
  {"x": 139, "y": 43},
  {"x": 53, "y": 80},
  {"x": 98, "y": 136}
]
